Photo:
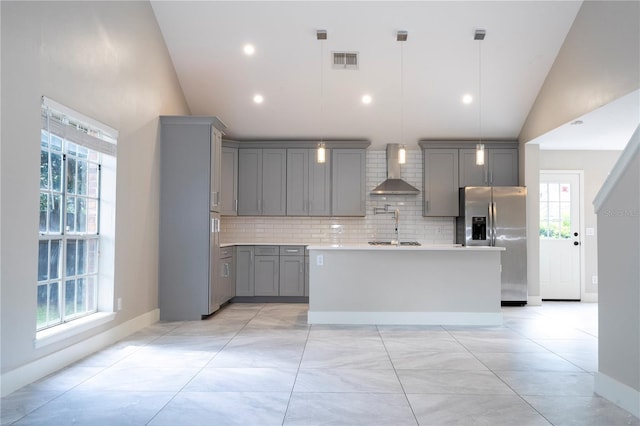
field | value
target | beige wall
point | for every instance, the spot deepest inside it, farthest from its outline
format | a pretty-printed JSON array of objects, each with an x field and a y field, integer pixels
[
  {"x": 598, "y": 63},
  {"x": 596, "y": 165},
  {"x": 108, "y": 61}
]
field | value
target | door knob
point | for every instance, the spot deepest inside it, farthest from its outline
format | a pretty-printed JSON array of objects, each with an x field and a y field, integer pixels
[{"x": 575, "y": 243}]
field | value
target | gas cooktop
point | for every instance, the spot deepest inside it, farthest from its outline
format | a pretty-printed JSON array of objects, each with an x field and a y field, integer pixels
[{"x": 388, "y": 243}]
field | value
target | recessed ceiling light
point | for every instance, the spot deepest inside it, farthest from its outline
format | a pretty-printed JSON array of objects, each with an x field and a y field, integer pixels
[
  {"x": 366, "y": 99},
  {"x": 249, "y": 49},
  {"x": 258, "y": 99},
  {"x": 467, "y": 99}
]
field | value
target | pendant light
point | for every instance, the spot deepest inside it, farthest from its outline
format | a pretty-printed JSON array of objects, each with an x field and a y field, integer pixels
[
  {"x": 321, "y": 152},
  {"x": 402, "y": 152},
  {"x": 479, "y": 36}
]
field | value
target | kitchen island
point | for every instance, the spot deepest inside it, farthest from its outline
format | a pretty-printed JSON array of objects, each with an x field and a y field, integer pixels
[{"x": 429, "y": 284}]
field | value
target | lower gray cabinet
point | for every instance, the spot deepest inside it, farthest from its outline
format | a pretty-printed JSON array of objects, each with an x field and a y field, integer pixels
[
  {"x": 267, "y": 271},
  {"x": 245, "y": 284},
  {"x": 306, "y": 273},
  {"x": 227, "y": 275},
  {"x": 292, "y": 276}
]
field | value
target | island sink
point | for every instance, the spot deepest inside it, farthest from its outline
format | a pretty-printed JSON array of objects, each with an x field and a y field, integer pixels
[{"x": 393, "y": 243}]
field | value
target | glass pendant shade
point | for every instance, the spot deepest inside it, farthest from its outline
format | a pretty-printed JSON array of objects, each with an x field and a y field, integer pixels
[{"x": 480, "y": 154}]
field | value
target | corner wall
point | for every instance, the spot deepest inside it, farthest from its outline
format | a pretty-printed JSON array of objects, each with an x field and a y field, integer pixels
[{"x": 108, "y": 61}]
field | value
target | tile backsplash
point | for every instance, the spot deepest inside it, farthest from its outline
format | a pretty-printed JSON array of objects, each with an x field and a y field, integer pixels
[{"x": 344, "y": 230}]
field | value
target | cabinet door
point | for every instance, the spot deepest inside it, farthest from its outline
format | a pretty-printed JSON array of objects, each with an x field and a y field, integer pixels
[
  {"x": 348, "y": 188},
  {"x": 215, "y": 173},
  {"x": 274, "y": 182},
  {"x": 291, "y": 275},
  {"x": 229, "y": 182},
  {"x": 297, "y": 182},
  {"x": 440, "y": 182},
  {"x": 319, "y": 198},
  {"x": 503, "y": 167},
  {"x": 306, "y": 275},
  {"x": 244, "y": 271},
  {"x": 249, "y": 182},
  {"x": 267, "y": 275},
  {"x": 470, "y": 173}
]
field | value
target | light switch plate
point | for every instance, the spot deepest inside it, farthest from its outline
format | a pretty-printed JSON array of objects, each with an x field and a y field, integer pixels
[
  {"x": 591, "y": 231},
  {"x": 319, "y": 260}
]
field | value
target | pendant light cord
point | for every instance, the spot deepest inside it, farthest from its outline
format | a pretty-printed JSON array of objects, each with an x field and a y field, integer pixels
[
  {"x": 322, "y": 123},
  {"x": 480, "y": 88},
  {"x": 401, "y": 92}
]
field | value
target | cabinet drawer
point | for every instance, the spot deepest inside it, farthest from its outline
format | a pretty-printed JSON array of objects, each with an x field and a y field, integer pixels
[
  {"x": 292, "y": 250},
  {"x": 226, "y": 252},
  {"x": 266, "y": 250}
]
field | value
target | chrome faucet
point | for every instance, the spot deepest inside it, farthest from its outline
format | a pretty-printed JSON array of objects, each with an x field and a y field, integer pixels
[{"x": 396, "y": 217}]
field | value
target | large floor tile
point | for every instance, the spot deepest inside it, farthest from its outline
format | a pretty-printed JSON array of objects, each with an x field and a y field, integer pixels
[
  {"x": 452, "y": 382},
  {"x": 253, "y": 356},
  {"x": 548, "y": 382},
  {"x": 99, "y": 409},
  {"x": 477, "y": 344},
  {"x": 418, "y": 359},
  {"x": 138, "y": 379},
  {"x": 224, "y": 408},
  {"x": 581, "y": 411},
  {"x": 347, "y": 380},
  {"x": 349, "y": 409},
  {"x": 422, "y": 343},
  {"x": 243, "y": 380},
  {"x": 353, "y": 353},
  {"x": 175, "y": 351},
  {"x": 465, "y": 410},
  {"x": 20, "y": 403},
  {"x": 65, "y": 379}
]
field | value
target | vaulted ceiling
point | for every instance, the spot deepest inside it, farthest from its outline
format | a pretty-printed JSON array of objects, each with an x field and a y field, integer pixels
[{"x": 416, "y": 86}]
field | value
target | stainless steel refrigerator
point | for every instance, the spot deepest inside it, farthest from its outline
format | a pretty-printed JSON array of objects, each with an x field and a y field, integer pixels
[{"x": 496, "y": 216}]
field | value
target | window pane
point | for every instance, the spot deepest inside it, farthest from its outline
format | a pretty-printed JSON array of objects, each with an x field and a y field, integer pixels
[
  {"x": 92, "y": 216},
  {"x": 72, "y": 148},
  {"x": 565, "y": 231},
  {"x": 55, "y": 215},
  {"x": 82, "y": 152},
  {"x": 71, "y": 175},
  {"x": 92, "y": 180},
  {"x": 56, "y": 171},
  {"x": 42, "y": 305},
  {"x": 81, "y": 215},
  {"x": 44, "y": 139},
  {"x": 43, "y": 260},
  {"x": 82, "y": 177},
  {"x": 91, "y": 293},
  {"x": 71, "y": 258},
  {"x": 69, "y": 297},
  {"x": 54, "y": 260},
  {"x": 543, "y": 192},
  {"x": 565, "y": 192},
  {"x": 554, "y": 211},
  {"x": 54, "y": 302},
  {"x": 56, "y": 143},
  {"x": 92, "y": 256},
  {"x": 554, "y": 192},
  {"x": 44, "y": 169},
  {"x": 81, "y": 305},
  {"x": 71, "y": 214},
  {"x": 81, "y": 253},
  {"x": 44, "y": 210}
]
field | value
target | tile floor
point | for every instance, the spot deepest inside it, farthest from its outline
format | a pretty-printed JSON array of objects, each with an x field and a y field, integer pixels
[{"x": 261, "y": 364}]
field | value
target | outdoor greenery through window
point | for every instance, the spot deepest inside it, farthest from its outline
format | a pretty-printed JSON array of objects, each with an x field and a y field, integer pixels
[
  {"x": 555, "y": 210},
  {"x": 69, "y": 243}
]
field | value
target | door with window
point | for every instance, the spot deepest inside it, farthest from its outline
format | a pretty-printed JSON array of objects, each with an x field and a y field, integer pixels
[{"x": 560, "y": 235}]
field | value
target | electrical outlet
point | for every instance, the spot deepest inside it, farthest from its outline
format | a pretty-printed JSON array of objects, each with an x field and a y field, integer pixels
[
  {"x": 594, "y": 279},
  {"x": 119, "y": 303},
  {"x": 319, "y": 260}
]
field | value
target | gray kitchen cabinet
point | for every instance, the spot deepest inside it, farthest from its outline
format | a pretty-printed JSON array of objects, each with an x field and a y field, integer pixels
[
  {"x": 292, "y": 271},
  {"x": 308, "y": 184},
  {"x": 262, "y": 175},
  {"x": 306, "y": 273},
  {"x": 267, "y": 274},
  {"x": 440, "y": 182},
  {"x": 500, "y": 168},
  {"x": 215, "y": 174},
  {"x": 189, "y": 284},
  {"x": 229, "y": 182},
  {"x": 245, "y": 277},
  {"x": 348, "y": 192},
  {"x": 227, "y": 274}
]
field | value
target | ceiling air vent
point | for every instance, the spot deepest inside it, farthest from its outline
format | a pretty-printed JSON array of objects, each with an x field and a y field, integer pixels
[{"x": 345, "y": 60}]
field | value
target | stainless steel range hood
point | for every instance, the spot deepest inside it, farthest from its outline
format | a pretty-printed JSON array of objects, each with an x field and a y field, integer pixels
[{"x": 394, "y": 185}]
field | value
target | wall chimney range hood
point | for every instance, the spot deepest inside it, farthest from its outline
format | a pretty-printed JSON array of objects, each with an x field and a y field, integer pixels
[{"x": 394, "y": 185}]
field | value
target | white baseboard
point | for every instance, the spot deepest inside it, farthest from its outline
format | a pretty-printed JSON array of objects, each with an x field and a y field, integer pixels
[
  {"x": 534, "y": 300},
  {"x": 589, "y": 297},
  {"x": 15, "y": 379},
  {"x": 620, "y": 394},
  {"x": 413, "y": 318}
]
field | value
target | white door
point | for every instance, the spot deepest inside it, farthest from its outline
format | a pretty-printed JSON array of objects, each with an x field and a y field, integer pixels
[{"x": 560, "y": 237}]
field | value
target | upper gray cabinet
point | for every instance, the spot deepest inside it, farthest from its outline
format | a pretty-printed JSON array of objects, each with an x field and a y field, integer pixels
[
  {"x": 215, "y": 174},
  {"x": 229, "y": 181},
  {"x": 500, "y": 168},
  {"x": 440, "y": 182},
  {"x": 308, "y": 184},
  {"x": 348, "y": 193},
  {"x": 262, "y": 182}
]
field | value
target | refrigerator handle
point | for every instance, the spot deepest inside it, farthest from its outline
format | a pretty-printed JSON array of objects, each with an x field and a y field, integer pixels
[
  {"x": 490, "y": 227},
  {"x": 494, "y": 222}
]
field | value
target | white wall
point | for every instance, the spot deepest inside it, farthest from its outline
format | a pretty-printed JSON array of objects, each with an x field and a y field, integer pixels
[
  {"x": 596, "y": 166},
  {"x": 313, "y": 230},
  {"x": 108, "y": 61}
]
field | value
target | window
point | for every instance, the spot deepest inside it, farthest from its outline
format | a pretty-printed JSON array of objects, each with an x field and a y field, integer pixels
[
  {"x": 72, "y": 151},
  {"x": 555, "y": 210}
]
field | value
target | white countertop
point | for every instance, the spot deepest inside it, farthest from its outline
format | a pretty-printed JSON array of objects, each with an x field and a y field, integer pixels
[{"x": 424, "y": 247}]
